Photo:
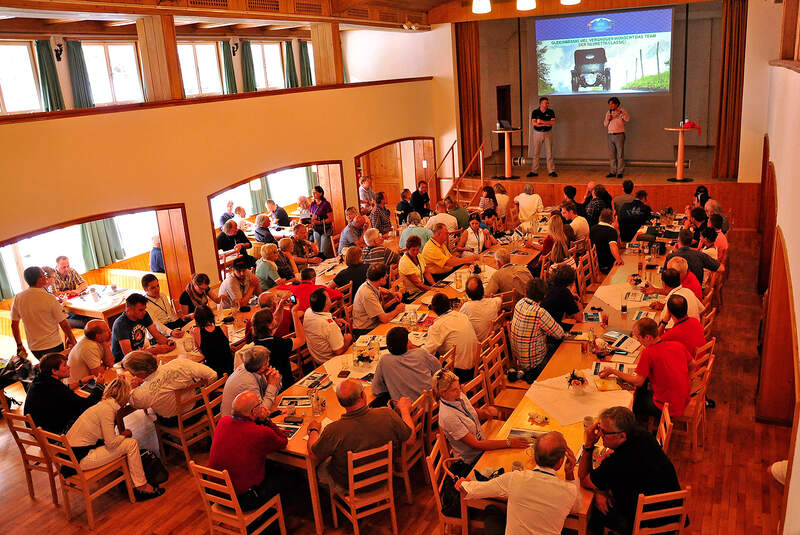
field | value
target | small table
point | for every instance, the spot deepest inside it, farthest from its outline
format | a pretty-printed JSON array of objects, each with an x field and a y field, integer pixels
[
  {"x": 679, "y": 162},
  {"x": 509, "y": 173},
  {"x": 111, "y": 302}
]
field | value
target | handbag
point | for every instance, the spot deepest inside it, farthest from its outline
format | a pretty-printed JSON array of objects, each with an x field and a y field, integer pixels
[
  {"x": 451, "y": 498},
  {"x": 18, "y": 368},
  {"x": 154, "y": 470}
]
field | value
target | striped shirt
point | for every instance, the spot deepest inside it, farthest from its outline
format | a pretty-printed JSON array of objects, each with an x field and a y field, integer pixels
[
  {"x": 530, "y": 327},
  {"x": 70, "y": 281},
  {"x": 379, "y": 218},
  {"x": 378, "y": 254}
]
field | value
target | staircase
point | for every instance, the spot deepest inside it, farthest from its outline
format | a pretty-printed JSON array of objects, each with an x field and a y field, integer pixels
[{"x": 464, "y": 194}]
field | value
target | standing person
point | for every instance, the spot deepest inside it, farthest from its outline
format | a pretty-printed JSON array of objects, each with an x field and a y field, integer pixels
[
  {"x": 42, "y": 314},
  {"x": 543, "y": 119},
  {"x": 322, "y": 219},
  {"x": 420, "y": 200},
  {"x": 366, "y": 195},
  {"x": 157, "y": 256},
  {"x": 380, "y": 217},
  {"x": 228, "y": 214},
  {"x": 614, "y": 121}
]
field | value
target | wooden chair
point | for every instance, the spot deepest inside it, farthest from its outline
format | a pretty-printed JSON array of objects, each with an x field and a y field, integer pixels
[
  {"x": 412, "y": 454},
  {"x": 705, "y": 349},
  {"x": 193, "y": 423},
  {"x": 436, "y": 463},
  {"x": 431, "y": 420},
  {"x": 89, "y": 483},
  {"x": 583, "y": 275},
  {"x": 347, "y": 293},
  {"x": 508, "y": 300},
  {"x": 394, "y": 273},
  {"x": 707, "y": 299},
  {"x": 664, "y": 431},
  {"x": 448, "y": 360},
  {"x": 597, "y": 276},
  {"x": 694, "y": 415},
  {"x": 707, "y": 321},
  {"x": 32, "y": 448},
  {"x": 370, "y": 490},
  {"x": 222, "y": 507},
  {"x": 676, "y": 513},
  {"x": 335, "y": 242},
  {"x": 503, "y": 398},
  {"x": 478, "y": 396},
  {"x": 212, "y": 399}
]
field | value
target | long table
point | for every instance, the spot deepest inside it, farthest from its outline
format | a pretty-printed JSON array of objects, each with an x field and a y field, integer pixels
[{"x": 105, "y": 308}]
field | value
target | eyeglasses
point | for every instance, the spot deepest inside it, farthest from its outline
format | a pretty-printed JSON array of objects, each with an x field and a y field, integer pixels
[{"x": 606, "y": 433}]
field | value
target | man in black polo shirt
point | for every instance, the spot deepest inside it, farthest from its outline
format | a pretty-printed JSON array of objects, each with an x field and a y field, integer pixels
[
  {"x": 604, "y": 236},
  {"x": 698, "y": 221},
  {"x": 637, "y": 465},
  {"x": 633, "y": 215},
  {"x": 420, "y": 200},
  {"x": 697, "y": 261},
  {"x": 543, "y": 119},
  {"x": 232, "y": 238}
]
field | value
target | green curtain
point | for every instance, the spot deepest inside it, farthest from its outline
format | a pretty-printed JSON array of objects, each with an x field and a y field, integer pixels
[
  {"x": 345, "y": 78},
  {"x": 248, "y": 70},
  {"x": 52, "y": 99},
  {"x": 227, "y": 67},
  {"x": 101, "y": 243},
  {"x": 305, "y": 66},
  {"x": 5, "y": 287},
  {"x": 290, "y": 74},
  {"x": 258, "y": 198},
  {"x": 81, "y": 90},
  {"x": 312, "y": 179}
]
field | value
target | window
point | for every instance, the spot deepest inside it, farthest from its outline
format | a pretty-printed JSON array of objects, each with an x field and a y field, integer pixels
[
  {"x": 136, "y": 232},
  {"x": 311, "y": 63},
  {"x": 286, "y": 186},
  {"x": 200, "y": 68},
  {"x": 268, "y": 65},
  {"x": 240, "y": 195},
  {"x": 113, "y": 71},
  {"x": 42, "y": 250},
  {"x": 19, "y": 85}
]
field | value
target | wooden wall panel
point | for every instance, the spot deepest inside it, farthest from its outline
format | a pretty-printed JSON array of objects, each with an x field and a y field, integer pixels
[
  {"x": 326, "y": 40},
  {"x": 330, "y": 178},
  {"x": 769, "y": 218},
  {"x": 386, "y": 170},
  {"x": 161, "y": 70},
  {"x": 176, "y": 250}
]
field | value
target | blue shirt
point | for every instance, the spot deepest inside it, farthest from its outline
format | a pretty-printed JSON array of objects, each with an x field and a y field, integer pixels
[
  {"x": 157, "y": 260},
  {"x": 413, "y": 230},
  {"x": 350, "y": 235},
  {"x": 127, "y": 329}
]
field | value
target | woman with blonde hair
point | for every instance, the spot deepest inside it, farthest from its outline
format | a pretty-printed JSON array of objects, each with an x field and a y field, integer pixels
[
  {"x": 304, "y": 209},
  {"x": 559, "y": 251},
  {"x": 96, "y": 425},
  {"x": 502, "y": 200},
  {"x": 461, "y": 422},
  {"x": 267, "y": 269}
]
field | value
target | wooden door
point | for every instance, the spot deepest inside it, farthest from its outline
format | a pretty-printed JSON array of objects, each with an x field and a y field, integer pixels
[
  {"x": 176, "y": 249},
  {"x": 386, "y": 170},
  {"x": 425, "y": 164},
  {"x": 330, "y": 178}
]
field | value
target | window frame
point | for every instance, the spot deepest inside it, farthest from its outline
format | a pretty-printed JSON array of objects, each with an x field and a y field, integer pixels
[
  {"x": 194, "y": 44},
  {"x": 264, "y": 62},
  {"x": 37, "y": 83},
  {"x": 105, "y": 44}
]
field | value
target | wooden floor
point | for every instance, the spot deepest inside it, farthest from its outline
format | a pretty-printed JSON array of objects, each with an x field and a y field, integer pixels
[{"x": 732, "y": 492}]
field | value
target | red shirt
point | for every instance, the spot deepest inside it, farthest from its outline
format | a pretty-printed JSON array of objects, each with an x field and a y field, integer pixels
[
  {"x": 687, "y": 331},
  {"x": 302, "y": 290},
  {"x": 666, "y": 364},
  {"x": 241, "y": 447},
  {"x": 693, "y": 284}
]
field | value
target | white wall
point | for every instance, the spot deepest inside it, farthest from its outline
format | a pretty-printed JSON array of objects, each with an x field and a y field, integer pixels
[
  {"x": 379, "y": 55},
  {"x": 763, "y": 36},
  {"x": 783, "y": 117}
]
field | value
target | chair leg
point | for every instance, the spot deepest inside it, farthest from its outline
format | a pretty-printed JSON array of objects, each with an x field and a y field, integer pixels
[
  {"x": 333, "y": 509},
  {"x": 355, "y": 522},
  {"x": 29, "y": 480},
  {"x": 407, "y": 482},
  {"x": 694, "y": 440},
  {"x": 65, "y": 495},
  {"x": 128, "y": 483},
  {"x": 281, "y": 522},
  {"x": 89, "y": 509},
  {"x": 393, "y": 512},
  {"x": 53, "y": 491}
]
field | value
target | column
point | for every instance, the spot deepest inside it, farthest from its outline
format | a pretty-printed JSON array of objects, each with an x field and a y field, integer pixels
[
  {"x": 327, "y": 45},
  {"x": 161, "y": 71}
]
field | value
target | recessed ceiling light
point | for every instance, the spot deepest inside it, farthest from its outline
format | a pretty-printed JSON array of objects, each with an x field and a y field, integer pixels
[
  {"x": 480, "y": 7},
  {"x": 526, "y": 5}
]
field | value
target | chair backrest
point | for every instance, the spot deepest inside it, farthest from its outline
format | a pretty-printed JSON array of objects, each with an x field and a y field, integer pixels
[
  {"x": 699, "y": 377},
  {"x": 594, "y": 263},
  {"x": 705, "y": 349},
  {"x": 394, "y": 273},
  {"x": 215, "y": 488},
  {"x": 494, "y": 353},
  {"x": 708, "y": 322},
  {"x": 495, "y": 378},
  {"x": 347, "y": 293},
  {"x": 508, "y": 300},
  {"x": 583, "y": 274},
  {"x": 369, "y": 467},
  {"x": 676, "y": 513},
  {"x": 419, "y": 409},
  {"x": 475, "y": 391},
  {"x": 707, "y": 299},
  {"x": 60, "y": 451},
  {"x": 664, "y": 431},
  {"x": 189, "y": 402},
  {"x": 448, "y": 360},
  {"x": 335, "y": 241},
  {"x": 212, "y": 399},
  {"x": 26, "y": 434},
  {"x": 436, "y": 463},
  {"x": 546, "y": 263}
]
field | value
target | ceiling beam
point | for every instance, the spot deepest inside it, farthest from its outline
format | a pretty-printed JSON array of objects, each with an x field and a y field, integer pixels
[
  {"x": 183, "y": 22},
  {"x": 210, "y": 25},
  {"x": 61, "y": 21},
  {"x": 115, "y": 23},
  {"x": 340, "y": 6},
  {"x": 251, "y": 25},
  {"x": 285, "y": 26}
]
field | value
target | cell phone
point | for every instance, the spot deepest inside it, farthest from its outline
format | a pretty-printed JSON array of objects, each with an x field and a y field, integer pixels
[
  {"x": 293, "y": 299},
  {"x": 275, "y": 414},
  {"x": 619, "y": 352},
  {"x": 343, "y": 374},
  {"x": 296, "y": 419}
]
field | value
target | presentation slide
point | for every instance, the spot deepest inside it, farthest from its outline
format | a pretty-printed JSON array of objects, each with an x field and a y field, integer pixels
[{"x": 614, "y": 52}]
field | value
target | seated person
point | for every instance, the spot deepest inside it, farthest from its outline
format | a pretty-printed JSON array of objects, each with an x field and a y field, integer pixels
[
  {"x": 160, "y": 308},
  {"x": 508, "y": 277},
  {"x": 255, "y": 375},
  {"x": 437, "y": 254},
  {"x": 637, "y": 465},
  {"x": 228, "y": 214},
  {"x": 420, "y": 200},
  {"x": 697, "y": 261},
  {"x": 460, "y": 422},
  {"x": 233, "y": 239},
  {"x": 212, "y": 342},
  {"x": 404, "y": 207},
  {"x": 713, "y": 208},
  {"x": 697, "y": 221},
  {"x": 456, "y": 210},
  {"x": 481, "y": 311},
  {"x": 240, "y": 446},
  {"x": 264, "y": 327},
  {"x": 531, "y": 325},
  {"x": 375, "y": 252},
  {"x": 541, "y": 500},
  {"x": 305, "y": 252},
  {"x": 287, "y": 267},
  {"x": 266, "y": 268},
  {"x": 665, "y": 365},
  {"x": 197, "y": 293},
  {"x": 373, "y": 304},
  {"x": 672, "y": 281},
  {"x": 355, "y": 272},
  {"x": 130, "y": 328},
  {"x": 360, "y": 428},
  {"x": 578, "y": 223},
  {"x": 453, "y": 329},
  {"x": 52, "y": 404},
  {"x": 405, "y": 371},
  {"x": 380, "y": 218},
  {"x": 488, "y": 200},
  {"x": 708, "y": 246},
  {"x": 324, "y": 336},
  {"x": 303, "y": 288},
  {"x": 442, "y": 217},
  {"x": 67, "y": 280},
  {"x": 154, "y": 386},
  {"x": 278, "y": 214},
  {"x": 157, "y": 256},
  {"x": 633, "y": 215},
  {"x": 528, "y": 203},
  {"x": 240, "y": 284},
  {"x": 685, "y": 329},
  {"x": 605, "y": 237},
  {"x": 491, "y": 222},
  {"x": 414, "y": 228},
  {"x": 95, "y": 442},
  {"x": 92, "y": 355},
  {"x": 502, "y": 200},
  {"x": 262, "y": 231},
  {"x": 240, "y": 216},
  {"x": 475, "y": 239},
  {"x": 559, "y": 300},
  {"x": 352, "y": 233},
  {"x": 721, "y": 243},
  {"x": 304, "y": 210},
  {"x": 413, "y": 271}
]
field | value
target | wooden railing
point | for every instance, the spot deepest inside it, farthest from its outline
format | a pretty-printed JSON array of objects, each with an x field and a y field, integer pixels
[
  {"x": 452, "y": 155},
  {"x": 478, "y": 156}
]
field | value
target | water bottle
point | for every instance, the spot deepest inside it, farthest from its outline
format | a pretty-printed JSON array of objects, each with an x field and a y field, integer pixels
[{"x": 414, "y": 318}]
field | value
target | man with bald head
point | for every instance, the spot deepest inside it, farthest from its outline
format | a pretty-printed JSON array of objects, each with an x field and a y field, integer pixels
[
  {"x": 240, "y": 446},
  {"x": 538, "y": 500},
  {"x": 360, "y": 428},
  {"x": 92, "y": 355}
]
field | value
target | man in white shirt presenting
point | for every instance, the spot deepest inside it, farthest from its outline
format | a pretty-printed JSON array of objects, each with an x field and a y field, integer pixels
[
  {"x": 528, "y": 203},
  {"x": 614, "y": 120},
  {"x": 538, "y": 500}
]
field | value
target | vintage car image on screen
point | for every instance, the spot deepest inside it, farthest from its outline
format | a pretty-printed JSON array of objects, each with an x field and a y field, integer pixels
[{"x": 590, "y": 69}]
